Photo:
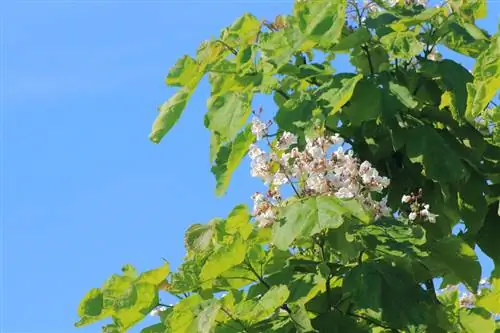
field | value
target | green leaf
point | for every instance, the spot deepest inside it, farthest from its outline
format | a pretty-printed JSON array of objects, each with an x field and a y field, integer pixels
[
  {"x": 129, "y": 270},
  {"x": 456, "y": 37},
  {"x": 91, "y": 304},
  {"x": 424, "y": 145},
  {"x": 490, "y": 299},
  {"x": 378, "y": 61},
  {"x": 309, "y": 216},
  {"x": 229, "y": 157},
  {"x": 407, "y": 22},
  {"x": 223, "y": 259},
  {"x": 404, "y": 45},
  {"x": 403, "y": 95},
  {"x": 365, "y": 103},
  {"x": 486, "y": 79},
  {"x": 238, "y": 221},
  {"x": 476, "y": 320},
  {"x": 228, "y": 113},
  {"x": 155, "y": 276},
  {"x": 255, "y": 311},
  {"x": 243, "y": 31},
  {"x": 487, "y": 238},
  {"x": 339, "y": 91},
  {"x": 156, "y": 328},
  {"x": 304, "y": 287},
  {"x": 185, "y": 73},
  {"x": 206, "y": 318},
  {"x": 301, "y": 319},
  {"x": 320, "y": 21},
  {"x": 354, "y": 39},
  {"x": 170, "y": 112},
  {"x": 198, "y": 237},
  {"x": 379, "y": 286},
  {"x": 456, "y": 261}
]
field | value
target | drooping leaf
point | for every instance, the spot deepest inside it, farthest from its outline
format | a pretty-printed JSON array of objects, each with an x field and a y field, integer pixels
[
  {"x": 228, "y": 113},
  {"x": 476, "y": 320},
  {"x": 170, "y": 112},
  {"x": 229, "y": 157}
]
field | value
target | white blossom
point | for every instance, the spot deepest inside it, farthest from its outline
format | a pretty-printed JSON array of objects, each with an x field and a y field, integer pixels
[
  {"x": 412, "y": 216},
  {"x": 259, "y": 128},
  {"x": 466, "y": 300},
  {"x": 406, "y": 198},
  {"x": 287, "y": 139}
]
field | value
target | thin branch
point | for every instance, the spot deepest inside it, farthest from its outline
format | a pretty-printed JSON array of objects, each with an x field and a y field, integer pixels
[
  {"x": 233, "y": 50},
  {"x": 430, "y": 287}
]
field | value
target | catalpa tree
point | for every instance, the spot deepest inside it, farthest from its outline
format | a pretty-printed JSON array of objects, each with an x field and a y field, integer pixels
[{"x": 367, "y": 175}]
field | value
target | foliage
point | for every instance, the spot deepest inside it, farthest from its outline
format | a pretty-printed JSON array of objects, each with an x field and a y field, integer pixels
[{"x": 324, "y": 260}]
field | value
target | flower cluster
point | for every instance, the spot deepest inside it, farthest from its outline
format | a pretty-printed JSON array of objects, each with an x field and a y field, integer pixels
[
  {"x": 315, "y": 170},
  {"x": 418, "y": 209}
]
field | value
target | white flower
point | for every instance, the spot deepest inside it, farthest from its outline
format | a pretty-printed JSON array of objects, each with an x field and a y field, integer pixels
[
  {"x": 406, "y": 198},
  {"x": 336, "y": 139},
  {"x": 412, "y": 216},
  {"x": 254, "y": 151},
  {"x": 279, "y": 179},
  {"x": 344, "y": 193},
  {"x": 466, "y": 300},
  {"x": 287, "y": 139},
  {"x": 315, "y": 151},
  {"x": 428, "y": 215},
  {"x": 259, "y": 128},
  {"x": 266, "y": 218},
  {"x": 317, "y": 183}
]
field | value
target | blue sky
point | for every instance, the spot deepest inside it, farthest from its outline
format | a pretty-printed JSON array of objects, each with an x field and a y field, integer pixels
[{"x": 84, "y": 191}]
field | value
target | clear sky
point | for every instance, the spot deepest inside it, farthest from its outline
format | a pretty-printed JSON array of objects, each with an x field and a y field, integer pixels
[{"x": 84, "y": 191}]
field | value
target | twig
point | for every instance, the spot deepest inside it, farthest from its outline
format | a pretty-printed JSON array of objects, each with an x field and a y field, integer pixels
[{"x": 228, "y": 47}]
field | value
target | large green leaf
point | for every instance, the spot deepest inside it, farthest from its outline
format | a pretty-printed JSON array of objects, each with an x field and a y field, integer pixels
[
  {"x": 309, "y": 216},
  {"x": 380, "y": 286},
  {"x": 490, "y": 299},
  {"x": 409, "y": 21},
  {"x": 365, "y": 103},
  {"x": 185, "y": 73},
  {"x": 456, "y": 261},
  {"x": 487, "y": 237},
  {"x": 255, "y": 310},
  {"x": 229, "y": 157},
  {"x": 402, "y": 44},
  {"x": 321, "y": 21},
  {"x": 170, "y": 112},
  {"x": 339, "y": 91},
  {"x": 228, "y": 113},
  {"x": 223, "y": 259},
  {"x": 403, "y": 94},
  {"x": 476, "y": 320},
  {"x": 155, "y": 276},
  {"x": 91, "y": 304},
  {"x": 352, "y": 40},
  {"x": 424, "y": 145},
  {"x": 486, "y": 79}
]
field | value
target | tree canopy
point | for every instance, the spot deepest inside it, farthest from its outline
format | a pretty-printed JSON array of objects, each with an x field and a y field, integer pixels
[{"x": 368, "y": 175}]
